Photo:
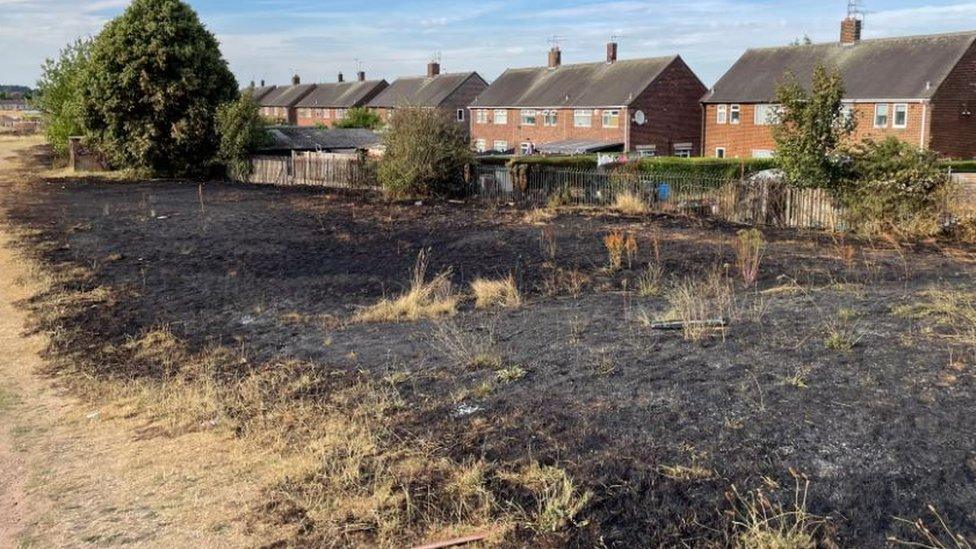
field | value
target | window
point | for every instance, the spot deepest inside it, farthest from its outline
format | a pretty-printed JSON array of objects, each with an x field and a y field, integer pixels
[
  {"x": 881, "y": 116},
  {"x": 766, "y": 115},
  {"x": 611, "y": 118},
  {"x": 723, "y": 114},
  {"x": 500, "y": 146},
  {"x": 524, "y": 148},
  {"x": 682, "y": 150},
  {"x": 646, "y": 151},
  {"x": 340, "y": 114},
  {"x": 480, "y": 145},
  {"x": 304, "y": 113},
  {"x": 901, "y": 116},
  {"x": 720, "y": 152},
  {"x": 482, "y": 116},
  {"x": 582, "y": 118},
  {"x": 550, "y": 117},
  {"x": 847, "y": 112},
  {"x": 460, "y": 115},
  {"x": 528, "y": 117},
  {"x": 735, "y": 114},
  {"x": 500, "y": 116},
  {"x": 762, "y": 153}
]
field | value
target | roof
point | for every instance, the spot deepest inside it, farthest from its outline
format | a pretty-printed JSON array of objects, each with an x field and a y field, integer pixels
[
  {"x": 889, "y": 68},
  {"x": 342, "y": 94},
  {"x": 292, "y": 138},
  {"x": 258, "y": 92},
  {"x": 582, "y": 85},
  {"x": 286, "y": 96},
  {"x": 422, "y": 91},
  {"x": 578, "y": 146}
]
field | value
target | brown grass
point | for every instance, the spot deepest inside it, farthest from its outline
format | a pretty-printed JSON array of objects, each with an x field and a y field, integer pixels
[
  {"x": 496, "y": 293},
  {"x": 760, "y": 523},
  {"x": 698, "y": 300},
  {"x": 425, "y": 299},
  {"x": 629, "y": 203}
]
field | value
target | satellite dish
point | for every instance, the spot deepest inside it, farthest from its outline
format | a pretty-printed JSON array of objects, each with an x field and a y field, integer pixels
[{"x": 639, "y": 118}]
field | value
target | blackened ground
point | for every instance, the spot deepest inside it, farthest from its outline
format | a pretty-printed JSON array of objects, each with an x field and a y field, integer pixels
[{"x": 881, "y": 431}]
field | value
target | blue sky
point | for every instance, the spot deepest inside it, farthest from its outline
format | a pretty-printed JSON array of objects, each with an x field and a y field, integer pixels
[{"x": 272, "y": 39}]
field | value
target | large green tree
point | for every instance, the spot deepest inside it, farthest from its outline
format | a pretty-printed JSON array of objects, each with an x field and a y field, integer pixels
[
  {"x": 242, "y": 130},
  {"x": 812, "y": 124},
  {"x": 155, "y": 80},
  {"x": 60, "y": 95}
]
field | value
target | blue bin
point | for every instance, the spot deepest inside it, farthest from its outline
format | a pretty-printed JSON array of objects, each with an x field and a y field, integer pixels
[{"x": 663, "y": 192}]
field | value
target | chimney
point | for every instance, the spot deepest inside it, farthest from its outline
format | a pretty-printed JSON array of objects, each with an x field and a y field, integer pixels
[
  {"x": 611, "y": 52},
  {"x": 555, "y": 57},
  {"x": 341, "y": 78},
  {"x": 433, "y": 69},
  {"x": 361, "y": 76},
  {"x": 252, "y": 83},
  {"x": 262, "y": 83},
  {"x": 850, "y": 30},
  {"x": 296, "y": 80}
]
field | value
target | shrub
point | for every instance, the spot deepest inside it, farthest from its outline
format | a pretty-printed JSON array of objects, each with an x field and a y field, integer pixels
[
  {"x": 811, "y": 127},
  {"x": 895, "y": 186},
  {"x": 630, "y": 203},
  {"x": 60, "y": 95},
  {"x": 360, "y": 117},
  {"x": 242, "y": 131},
  {"x": 615, "y": 243},
  {"x": 496, "y": 293},
  {"x": 426, "y": 152},
  {"x": 749, "y": 247},
  {"x": 152, "y": 88}
]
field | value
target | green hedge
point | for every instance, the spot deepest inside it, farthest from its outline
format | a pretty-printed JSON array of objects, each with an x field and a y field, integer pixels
[
  {"x": 961, "y": 166},
  {"x": 706, "y": 167}
]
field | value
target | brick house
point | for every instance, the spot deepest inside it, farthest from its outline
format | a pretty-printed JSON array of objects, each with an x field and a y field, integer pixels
[
  {"x": 650, "y": 106},
  {"x": 258, "y": 92},
  {"x": 921, "y": 89},
  {"x": 452, "y": 92},
  {"x": 327, "y": 104},
  {"x": 278, "y": 105}
]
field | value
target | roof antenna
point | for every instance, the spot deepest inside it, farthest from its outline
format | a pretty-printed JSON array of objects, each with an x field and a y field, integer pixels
[
  {"x": 555, "y": 41},
  {"x": 436, "y": 57},
  {"x": 855, "y": 10}
]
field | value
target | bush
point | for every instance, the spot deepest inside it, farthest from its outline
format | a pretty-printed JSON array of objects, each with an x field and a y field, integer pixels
[
  {"x": 360, "y": 117},
  {"x": 152, "y": 89},
  {"x": 426, "y": 152},
  {"x": 725, "y": 168},
  {"x": 894, "y": 186},
  {"x": 960, "y": 166},
  {"x": 60, "y": 95},
  {"x": 242, "y": 130}
]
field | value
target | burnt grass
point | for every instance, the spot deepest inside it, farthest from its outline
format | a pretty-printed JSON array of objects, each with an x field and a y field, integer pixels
[{"x": 881, "y": 430}]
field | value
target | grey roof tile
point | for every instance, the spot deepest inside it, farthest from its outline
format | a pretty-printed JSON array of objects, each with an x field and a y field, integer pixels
[
  {"x": 342, "y": 94},
  {"x": 421, "y": 91}
]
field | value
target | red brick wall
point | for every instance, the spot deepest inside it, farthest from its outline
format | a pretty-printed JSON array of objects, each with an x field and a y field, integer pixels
[
  {"x": 515, "y": 133},
  {"x": 953, "y": 131},
  {"x": 672, "y": 107},
  {"x": 740, "y": 140},
  {"x": 277, "y": 115},
  {"x": 316, "y": 117}
]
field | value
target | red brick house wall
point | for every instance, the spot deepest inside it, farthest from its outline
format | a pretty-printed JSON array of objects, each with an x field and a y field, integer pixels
[
  {"x": 953, "y": 111},
  {"x": 278, "y": 115},
  {"x": 672, "y": 109},
  {"x": 326, "y": 117},
  {"x": 740, "y": 140},
  {"x": 515, "y": 133}
]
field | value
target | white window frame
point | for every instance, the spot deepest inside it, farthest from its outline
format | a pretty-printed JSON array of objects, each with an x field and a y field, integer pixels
[
  {"x": 499, "y": 146},
  {"x": 847, "y": 111},
  {"x": 613, "y": 114},
  {"x": 480, "y": 145},
  {"x": 683, "y": 150},
  {"x": 482, "y": 116},
  {"x": 550, "y": 118},
  {"x": 583, "y": 118},
  {"x": 894, "y": 116},
  {"x": 524, "y": 148},
  {"x": 735, "y": 114},
  {"x": 719, "y": 152},
  {"x": 646, "y": 151},
  {"x": 527, "y": 117},
  {"x": 763, "y": 153},
  {"x": 340, "y": 113},
  {"x": 500, "y": 117},
  {"x": 460, "y": 115},
  {"x": 878, "y": 115},
  {"x": 722, "y": 115},
  {"x": 771, "y": 117}
]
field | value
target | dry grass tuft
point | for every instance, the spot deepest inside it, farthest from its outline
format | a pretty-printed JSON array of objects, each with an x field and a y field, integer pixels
[
  {"x": 942, "y": 538},
  {"x": 650, "y": 282},
  {"x": 696, "y": 301},
  {"x": 468, "y": 349},
  {"x": 759, "y": 523},
  {"x": 538, "y": 216},
  {"x": 629, "y": 203},
  {"x": 749, "y": 246},
  {"x": 620, "y": 245},
  {"x": 692, "y": 472},
  {"x": 558, "y": 499},
  {"x": 496, "y": 293},
  {"x": 425, "y": 299}
]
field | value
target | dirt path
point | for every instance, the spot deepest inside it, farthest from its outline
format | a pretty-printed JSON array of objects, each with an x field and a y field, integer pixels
[{"x": 76, "y": 474}]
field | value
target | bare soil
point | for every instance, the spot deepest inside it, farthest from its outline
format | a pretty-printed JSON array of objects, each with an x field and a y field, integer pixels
[{"x": 881, "y": 430}]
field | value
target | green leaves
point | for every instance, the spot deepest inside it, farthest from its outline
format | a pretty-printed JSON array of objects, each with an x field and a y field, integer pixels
[
  {"x": 360, "y": 117},
  {"x": 60, "y": 97},
  {"x": 426, "y": 151},
  {"x": 241, "y": 130},
  {"x": 152, "y": 88}
]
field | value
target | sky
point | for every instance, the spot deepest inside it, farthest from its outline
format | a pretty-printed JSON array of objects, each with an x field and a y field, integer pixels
[{"x": 273, "y": 39}]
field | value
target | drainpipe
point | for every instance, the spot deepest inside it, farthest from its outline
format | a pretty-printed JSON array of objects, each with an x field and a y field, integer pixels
[{"x": 925, "y": 113}]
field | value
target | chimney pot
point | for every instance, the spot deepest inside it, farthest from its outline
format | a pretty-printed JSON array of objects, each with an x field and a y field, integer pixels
[
  {"x": 262, "y": 83},
  {"x": 555, "y": 57},
  {"x": 433, "y": 69},
  {"x": 361, "y": 76},
  {"x": 296, "y": 80},
  {"x": 611, "y": 52},
  {"x": 850, "y": 30},
  {"x": 341, "y": 78}
]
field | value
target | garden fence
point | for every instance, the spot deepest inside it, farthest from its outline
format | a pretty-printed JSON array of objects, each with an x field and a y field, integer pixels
[
  {"x": 335, "y": 171},
  {"x": 748, "y": 201}
]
